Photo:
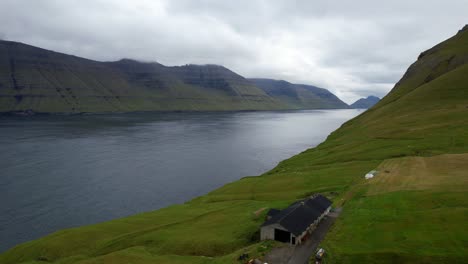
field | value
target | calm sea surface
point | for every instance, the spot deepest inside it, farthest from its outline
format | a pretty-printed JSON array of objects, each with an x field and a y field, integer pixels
[{"x": 65, "y": 171}]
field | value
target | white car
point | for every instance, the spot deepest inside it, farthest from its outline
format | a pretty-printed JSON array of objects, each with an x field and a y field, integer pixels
[{"x": 319, "y": 254}]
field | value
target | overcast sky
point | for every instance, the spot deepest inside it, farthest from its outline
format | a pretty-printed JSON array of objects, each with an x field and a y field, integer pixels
[{"x": 353, "y": 48}]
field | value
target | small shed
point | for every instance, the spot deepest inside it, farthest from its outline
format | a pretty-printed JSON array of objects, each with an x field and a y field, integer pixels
[{"x": 370, "y": 174}]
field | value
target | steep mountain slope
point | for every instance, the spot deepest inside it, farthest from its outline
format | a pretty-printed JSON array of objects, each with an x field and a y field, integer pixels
[
  {"x": 414, "y": 213},
  {"x": 411, "y": 219},
  {"x": 365, "y": 103},
  {"x": 45, "y": 81},
  {"x": 299, "y": 96}
]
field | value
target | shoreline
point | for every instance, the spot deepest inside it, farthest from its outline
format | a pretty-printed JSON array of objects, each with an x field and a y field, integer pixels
[{"x": 27, "y": 113}]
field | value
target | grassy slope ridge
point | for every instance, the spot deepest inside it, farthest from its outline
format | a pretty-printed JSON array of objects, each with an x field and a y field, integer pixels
[
  {"x": 45, "y": 81},
  {"x": 299, "y": 96},
  {"x": 426, "y": 114}
]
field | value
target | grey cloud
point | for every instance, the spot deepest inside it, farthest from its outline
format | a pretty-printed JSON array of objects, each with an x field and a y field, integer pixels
[{"x": 353, "y": 48}]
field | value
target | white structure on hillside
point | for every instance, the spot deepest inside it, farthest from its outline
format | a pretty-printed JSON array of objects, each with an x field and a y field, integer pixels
[{"x": 370, "y": 174}]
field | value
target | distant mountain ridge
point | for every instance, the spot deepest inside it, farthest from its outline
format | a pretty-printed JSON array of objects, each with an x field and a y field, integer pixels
[
  {"x": 365, "y": 103},
  {"x": 39, "y": 80},
  {"x": 299, "y": 96}
]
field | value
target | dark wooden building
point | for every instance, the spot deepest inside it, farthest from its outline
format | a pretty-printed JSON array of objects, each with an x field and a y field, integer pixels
[{"x": 293, "y": 224}]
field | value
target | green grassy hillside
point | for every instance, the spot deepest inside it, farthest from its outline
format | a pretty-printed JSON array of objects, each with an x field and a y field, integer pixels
[
  {"x": 414, "y": 213},
  {"x": 45, "y": 81},
  {"x": 300, "y": 96}
]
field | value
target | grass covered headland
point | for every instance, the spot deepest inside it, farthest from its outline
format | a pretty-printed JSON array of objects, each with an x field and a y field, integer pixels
[{"x": 414, "y": 210}]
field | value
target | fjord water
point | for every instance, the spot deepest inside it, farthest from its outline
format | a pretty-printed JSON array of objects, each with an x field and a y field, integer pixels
[{"x": 65, "y": 171}]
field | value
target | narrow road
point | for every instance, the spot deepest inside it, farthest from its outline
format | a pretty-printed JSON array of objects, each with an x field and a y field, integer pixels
[{"x": 301, "y": 254}]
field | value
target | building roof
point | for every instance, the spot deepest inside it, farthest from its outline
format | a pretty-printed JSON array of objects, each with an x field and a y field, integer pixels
[
  {"x": 299, "y": 215},
  {"x": 272, "y": 212}
]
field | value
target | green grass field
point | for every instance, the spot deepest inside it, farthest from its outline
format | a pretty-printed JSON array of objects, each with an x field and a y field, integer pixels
[
  {"x": 414, "y": 210},
  {"x": 415, "y": 214}
]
